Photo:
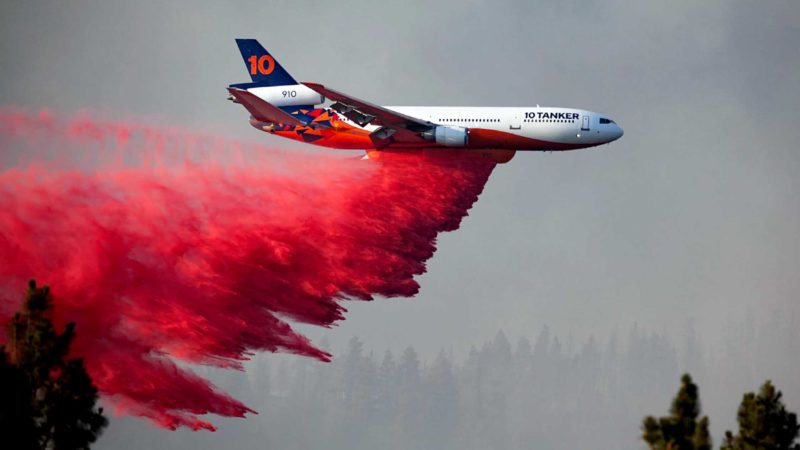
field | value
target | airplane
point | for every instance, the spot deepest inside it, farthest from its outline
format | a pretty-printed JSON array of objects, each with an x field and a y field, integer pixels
[{"x": 279, "y": 105}]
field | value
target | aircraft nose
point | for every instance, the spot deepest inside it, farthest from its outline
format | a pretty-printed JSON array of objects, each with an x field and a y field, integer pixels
[{"x": 618, "y": 132}]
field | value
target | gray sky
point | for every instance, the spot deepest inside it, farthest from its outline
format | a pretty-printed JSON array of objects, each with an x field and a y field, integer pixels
[{"x": 693, "y": 214}]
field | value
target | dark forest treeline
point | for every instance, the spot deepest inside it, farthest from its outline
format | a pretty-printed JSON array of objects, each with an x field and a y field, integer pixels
[{"x": 541, "y": 394}]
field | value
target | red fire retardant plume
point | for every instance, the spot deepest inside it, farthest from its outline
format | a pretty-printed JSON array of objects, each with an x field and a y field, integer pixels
[{"x": 169, "y": 245}]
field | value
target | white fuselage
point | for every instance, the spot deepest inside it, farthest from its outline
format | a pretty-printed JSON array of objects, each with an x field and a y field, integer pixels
[{"x": 550, "y": 124}]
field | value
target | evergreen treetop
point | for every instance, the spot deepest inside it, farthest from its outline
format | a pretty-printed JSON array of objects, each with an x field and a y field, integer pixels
[
  {"x": 52, "y": 399},
  {"x": 680, "y": 430},
  {"x": 764, "y": 423}
]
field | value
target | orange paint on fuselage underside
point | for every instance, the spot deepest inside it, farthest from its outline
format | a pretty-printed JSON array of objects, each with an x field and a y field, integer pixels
[
  {"x": 353, "y": 139},
  {"x": 482, "y": 138},
  {"x": 342, "y": 135}
]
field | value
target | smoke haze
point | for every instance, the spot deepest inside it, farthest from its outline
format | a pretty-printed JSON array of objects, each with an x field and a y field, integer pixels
[{"x": 691, "y": 217}]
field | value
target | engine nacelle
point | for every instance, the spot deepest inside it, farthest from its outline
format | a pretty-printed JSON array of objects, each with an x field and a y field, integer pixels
[
  {"x": 448, "y": 136},
  {"x": 293, "y": 95}
]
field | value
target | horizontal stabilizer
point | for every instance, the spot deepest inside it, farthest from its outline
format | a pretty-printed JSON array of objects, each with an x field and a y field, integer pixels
[{"x": 262, "y": 110}]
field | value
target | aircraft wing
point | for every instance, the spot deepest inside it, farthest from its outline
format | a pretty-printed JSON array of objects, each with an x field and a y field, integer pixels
[
  {"x": 262, "y": 110},
  {"x": 396, "y": 128}
]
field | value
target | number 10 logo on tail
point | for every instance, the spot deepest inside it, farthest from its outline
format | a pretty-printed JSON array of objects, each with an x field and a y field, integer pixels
[{"x": 263, "y": 65}]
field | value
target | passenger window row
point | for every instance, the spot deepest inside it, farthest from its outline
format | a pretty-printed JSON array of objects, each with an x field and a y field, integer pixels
[{"x": 469, "y": 120}]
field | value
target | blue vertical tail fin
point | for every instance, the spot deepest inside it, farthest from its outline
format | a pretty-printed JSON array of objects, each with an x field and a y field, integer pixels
[{"x": 264, "y": 70}]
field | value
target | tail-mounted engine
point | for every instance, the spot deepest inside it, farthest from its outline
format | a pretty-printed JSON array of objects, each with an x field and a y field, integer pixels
[{"x": 291, "y": 95}]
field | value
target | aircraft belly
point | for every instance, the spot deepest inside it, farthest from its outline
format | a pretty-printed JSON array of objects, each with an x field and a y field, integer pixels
[
  {"x": 345, "y": 140},
  {"x": 485, "y": 138},
  {"x": 351, "y": 139}
]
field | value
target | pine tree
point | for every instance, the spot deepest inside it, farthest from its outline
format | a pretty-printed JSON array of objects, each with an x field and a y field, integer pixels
[
  {"x": 52, "y": 399},
  {"x": 680, "y": 430},
  {"x": 764, "y": 423},
  {"x": 16, "y": 415}
]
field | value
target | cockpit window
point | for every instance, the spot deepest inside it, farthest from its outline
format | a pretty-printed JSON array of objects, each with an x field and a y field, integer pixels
[{"x": 604, "y": 120}]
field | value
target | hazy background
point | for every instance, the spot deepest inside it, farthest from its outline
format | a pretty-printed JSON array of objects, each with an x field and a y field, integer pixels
[{"x": 691, "y": 218}]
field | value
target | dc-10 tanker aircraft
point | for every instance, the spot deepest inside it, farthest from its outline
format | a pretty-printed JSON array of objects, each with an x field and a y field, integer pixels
[{"x": 280, "y": 105}]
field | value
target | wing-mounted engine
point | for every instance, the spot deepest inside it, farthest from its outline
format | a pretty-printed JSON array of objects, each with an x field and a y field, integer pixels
[{"x": 448, "y": 136}]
